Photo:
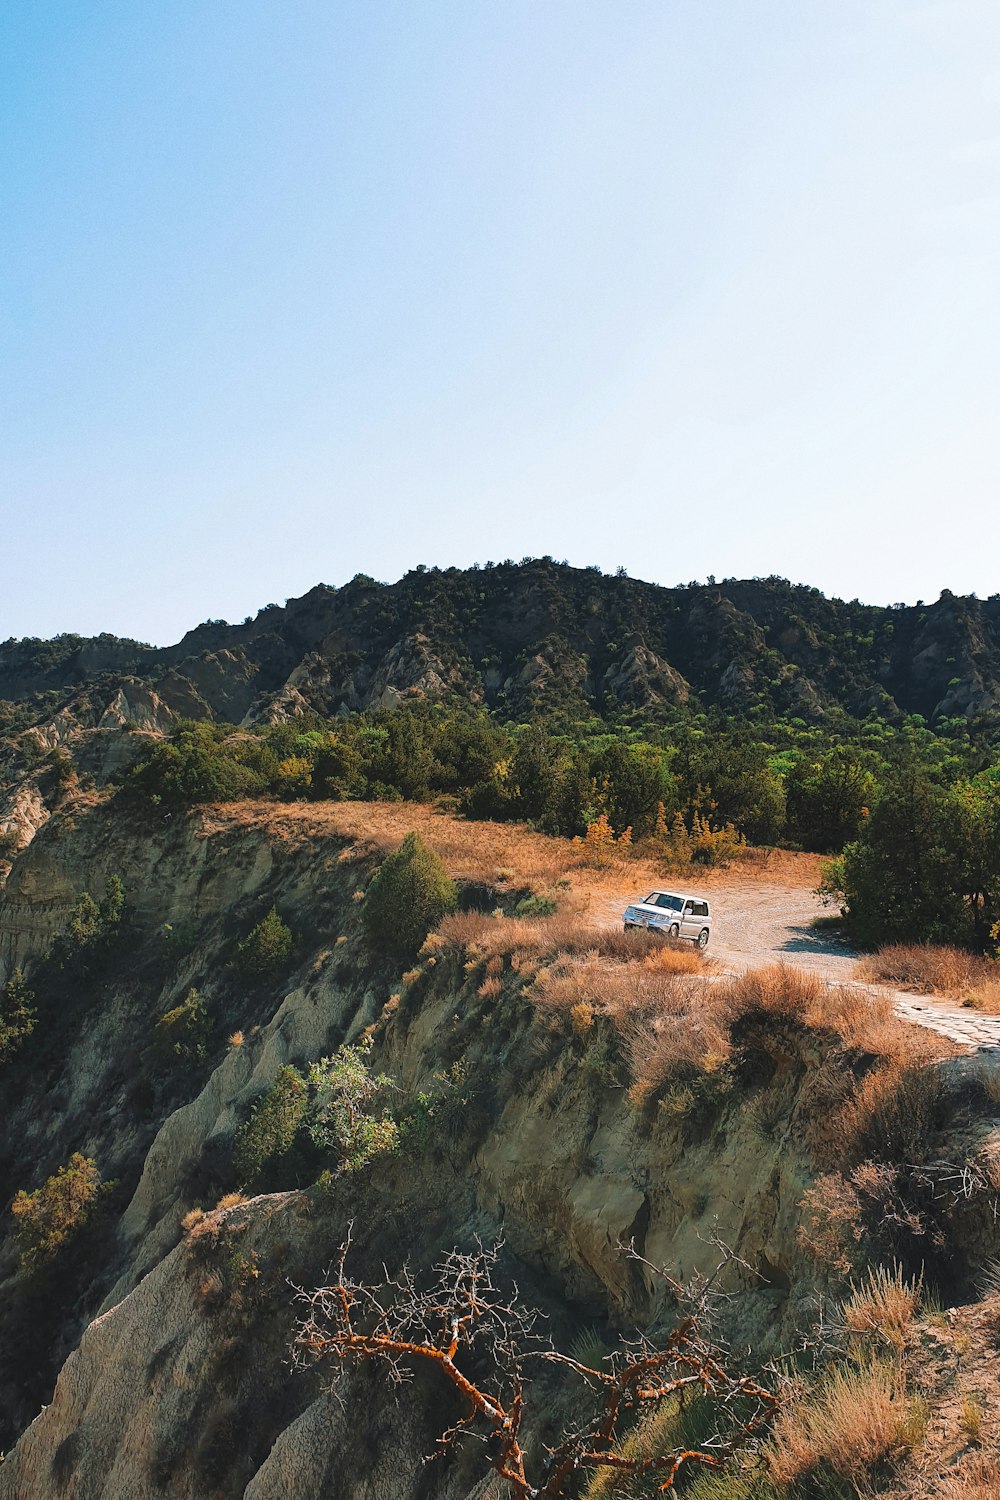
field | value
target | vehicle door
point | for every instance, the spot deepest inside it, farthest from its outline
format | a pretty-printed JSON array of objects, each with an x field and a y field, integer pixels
[{"x": 690, "y": 924}]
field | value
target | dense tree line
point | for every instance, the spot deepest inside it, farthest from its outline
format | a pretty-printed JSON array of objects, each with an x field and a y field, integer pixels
[
  {"x": 912, "y": 817},
  {"x": 781, "y": 783}
]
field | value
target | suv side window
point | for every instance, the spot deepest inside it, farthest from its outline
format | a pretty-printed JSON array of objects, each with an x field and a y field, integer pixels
[{"x": 701, "y": 908}]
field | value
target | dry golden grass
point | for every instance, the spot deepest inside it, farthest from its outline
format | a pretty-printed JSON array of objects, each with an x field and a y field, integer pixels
[
  {"x": 505, "y": 853},
  {"x": 856, "y": 1419},
  {"x": 885, "y": 1304},
  {"x": 892, "y": 1114},
  {"x": 930, "y": 969},
  {"x": 862, "y": 1019}
]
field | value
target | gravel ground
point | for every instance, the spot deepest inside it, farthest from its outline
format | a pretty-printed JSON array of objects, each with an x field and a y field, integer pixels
[{"x": 756, "y": 924}]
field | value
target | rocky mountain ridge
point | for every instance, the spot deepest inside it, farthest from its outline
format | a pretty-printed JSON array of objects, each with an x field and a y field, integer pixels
[{"x": 534, "y": 638}]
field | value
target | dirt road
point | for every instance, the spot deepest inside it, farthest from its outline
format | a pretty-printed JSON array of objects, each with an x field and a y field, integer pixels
[{"x": 756, "y": 924}]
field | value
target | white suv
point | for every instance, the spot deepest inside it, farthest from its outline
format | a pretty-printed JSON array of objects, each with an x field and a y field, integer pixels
[{"x": 674, "y": 916}]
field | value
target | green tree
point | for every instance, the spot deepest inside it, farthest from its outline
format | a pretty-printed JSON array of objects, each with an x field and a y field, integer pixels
[
  {"x": 50, "y": 1215},
  {"x": 342, "y": 1116},
  {"x": 636, "y": 783},
  {"x": 828, "y": 800},
  {"x": 266, "y": 947},
  {"x": 17, "y": 1014},
  {"x": 269, "y": 1132},
  {"x": 900, "y": 881},
  {"x": 407, "y": 898},
  {"x": 181, "y": 1034}
]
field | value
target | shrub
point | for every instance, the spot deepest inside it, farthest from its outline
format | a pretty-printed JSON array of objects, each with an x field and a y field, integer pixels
[
  {"x": 935, "y": 969},
  {"x": 266, "y": 947},
  {"x": 92, "y": 929},
  {"x": 894, "y": 1114},
  {"x": 408, "y": 897},
  {"x": 272, "y": 1125},
  {"x": 181, "y": 1034},
  {"x": 342, "y": 1117},
  {"x": 50, "y": 1215},
  {"x": 17, "y": 1015},
  {"x": 535, "y": 906},
  {"x": 599, "y": 845}
]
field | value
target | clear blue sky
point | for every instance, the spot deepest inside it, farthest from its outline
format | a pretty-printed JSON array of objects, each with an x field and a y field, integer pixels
[{"x": 294, "y": 290}]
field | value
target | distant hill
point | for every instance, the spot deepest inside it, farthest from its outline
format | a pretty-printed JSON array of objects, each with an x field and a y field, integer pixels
[{"x": 543, "y": 638}]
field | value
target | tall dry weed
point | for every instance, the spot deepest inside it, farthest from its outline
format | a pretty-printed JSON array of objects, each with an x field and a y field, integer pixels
[
  {"x": 853, "y": 1422},
  {"x": 884, "y": 1304}
]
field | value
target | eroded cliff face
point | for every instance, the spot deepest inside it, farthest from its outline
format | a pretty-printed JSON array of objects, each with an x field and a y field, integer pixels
[{"x": 178, "y": 1382}]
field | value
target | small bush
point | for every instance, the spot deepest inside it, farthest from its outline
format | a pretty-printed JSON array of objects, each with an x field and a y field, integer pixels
[
  {"x": 884, "y": 1304},
  {"x": 50, "y": 1215},
  {"x": 181, "y": 1034},
  {"x": 17, "y": 1014},
  {"x": 408, "y": 897},
  {"x": 274, "y": 1120},
  {"x": 343, "y": 1117},
  {"x": 266, "y": 947},
  {"x": 894, "y": 1115},
  {"x": 535, "y": 906}
]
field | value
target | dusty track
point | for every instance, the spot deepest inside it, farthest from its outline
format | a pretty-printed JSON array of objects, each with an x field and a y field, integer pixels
[{"x": 756, "y": 924}]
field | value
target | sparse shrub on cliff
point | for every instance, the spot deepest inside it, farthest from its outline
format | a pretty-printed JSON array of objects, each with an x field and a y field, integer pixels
[
  {"x": 17, "y": 1014},
  {"x": 266, "y": 947},
  {"x": 343, "y": 1117},
  {"x": 92, "y": 930},
  {"x": 180, "y": 1034},
  {"x": 50, "y": 1215},
  {"x": 274, "y": 1120},
  {"x": 408, "y": 897},
  {"x": 63, "y": 772}
]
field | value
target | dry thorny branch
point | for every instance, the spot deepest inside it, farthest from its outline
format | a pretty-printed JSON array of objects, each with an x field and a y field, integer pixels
[{"x": 481, "y": 1341}]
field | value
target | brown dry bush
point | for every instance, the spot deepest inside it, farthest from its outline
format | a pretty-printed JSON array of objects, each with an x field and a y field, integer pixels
[
  {"x": 893, "y": 1114},
  {"x": 682, "y": 1036},
  {"x": 856, "y": 1420},
  {"x": 863, "y": 1019},
  {"x": 830, "y": 1229},
  {"x": 884, "y": 1304},
  {"x": 930, "y": 969}
]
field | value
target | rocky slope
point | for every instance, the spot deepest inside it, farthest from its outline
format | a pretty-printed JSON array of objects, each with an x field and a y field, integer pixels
[
  {"x": 536, "y": 637},
  {"x": 174, "y": 1376}
]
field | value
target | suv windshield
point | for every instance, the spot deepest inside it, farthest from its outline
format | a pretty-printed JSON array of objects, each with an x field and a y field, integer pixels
[{"x": 657, "y": 898}]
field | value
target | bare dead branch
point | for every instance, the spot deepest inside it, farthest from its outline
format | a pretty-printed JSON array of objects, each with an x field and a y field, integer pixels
[{"x": 480, "y": 1339}]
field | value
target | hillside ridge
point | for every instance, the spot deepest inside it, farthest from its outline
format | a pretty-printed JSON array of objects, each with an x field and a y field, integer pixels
[{"x": 543, "y": 638}]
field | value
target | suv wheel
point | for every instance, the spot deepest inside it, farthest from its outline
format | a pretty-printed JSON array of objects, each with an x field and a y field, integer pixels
[
  {"x": 703, "y": 938},
  {"x": 673, "y": 930}
]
